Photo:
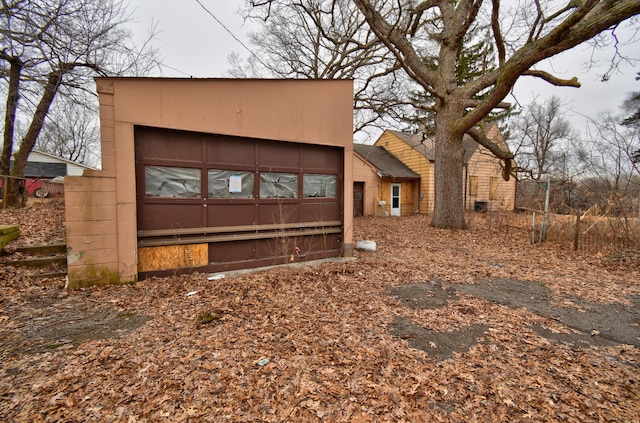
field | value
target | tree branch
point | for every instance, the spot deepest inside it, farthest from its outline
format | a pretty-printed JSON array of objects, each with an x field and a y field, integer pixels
[
  {"x": 399, "y": 46},
  {"x": 573, "y": 82},
  {"x": 506, "y": 156},
  {"x": 497, "y": 33}
]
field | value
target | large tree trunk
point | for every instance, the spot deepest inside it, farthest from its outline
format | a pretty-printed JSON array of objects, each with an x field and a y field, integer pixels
[
  {"x": 14, "y": 194},
  {"x": 448, "y": 210},
  {"x": 13, "y": 95}
]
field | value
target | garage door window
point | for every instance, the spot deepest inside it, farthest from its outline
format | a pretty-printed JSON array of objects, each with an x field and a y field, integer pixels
[
  {"x": 172, "y": 182},
  {"x": 319, "y": 186},
  {"x": 278, "y": 185},
  {"x": 230, "y": 184}
]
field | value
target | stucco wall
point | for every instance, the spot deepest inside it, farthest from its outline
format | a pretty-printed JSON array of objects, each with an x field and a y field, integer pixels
[
  {"x": 101, "y": 205},
  {"x": 364, "y": 172}
]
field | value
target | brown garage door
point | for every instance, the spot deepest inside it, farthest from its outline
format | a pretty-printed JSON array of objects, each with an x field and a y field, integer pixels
[{"x": 213, "y": 203}]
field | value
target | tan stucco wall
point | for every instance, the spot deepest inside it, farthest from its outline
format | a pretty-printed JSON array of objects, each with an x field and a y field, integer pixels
[
  {"x": 364, "y": 172},
  {"x": 306, "y": 111}
]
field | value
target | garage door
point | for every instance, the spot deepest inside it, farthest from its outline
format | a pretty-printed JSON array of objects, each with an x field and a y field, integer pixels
[{"x": 213, "y": 203}]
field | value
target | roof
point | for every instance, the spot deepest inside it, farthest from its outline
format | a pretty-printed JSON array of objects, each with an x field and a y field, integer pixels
[
  {"x": 425, "y": 146},
  {"x": 44, "y": 170},
  {"x": 61, "y": 159},
  {"x": 53, "y": 166},
  {"x": 388, "y": 165}
]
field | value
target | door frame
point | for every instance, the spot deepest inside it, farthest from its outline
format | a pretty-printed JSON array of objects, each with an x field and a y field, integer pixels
[
  {"x": 395, "y": 211},
  {"x": 358, "y": 204}
]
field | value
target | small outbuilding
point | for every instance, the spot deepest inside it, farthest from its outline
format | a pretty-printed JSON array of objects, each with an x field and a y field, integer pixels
[
  {"x": 44, "y": 173},
  {"x": 382, "y": 184},
  {"x": 48, "y": 166},
  {"x": 212, "y": 175}
]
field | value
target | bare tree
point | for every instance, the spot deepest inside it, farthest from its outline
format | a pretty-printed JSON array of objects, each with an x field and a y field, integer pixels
[
  {"x": 608, "y": 151},
  {"x": 425, "y": 38},
  {"x": 611, "y": 178},
  {"x": 542, "y": 139},
  {"x": 72, "y": 131},
  {"x": 328, "y": 39},
  {"x": 631, "y": 108},
  {"x": 53, "y": 47}
]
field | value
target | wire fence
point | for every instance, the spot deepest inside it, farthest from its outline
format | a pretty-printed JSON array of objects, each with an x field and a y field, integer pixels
[
  {"x": 595, "y": 232},
  {"x": 582, "y": 219}
]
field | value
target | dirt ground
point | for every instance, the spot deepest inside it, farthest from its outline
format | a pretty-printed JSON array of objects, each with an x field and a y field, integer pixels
[
  {"x": 589, "y": 324},
  {"x": 434, "y": 325}
]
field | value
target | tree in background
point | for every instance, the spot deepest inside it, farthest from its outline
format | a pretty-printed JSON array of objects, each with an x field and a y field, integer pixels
[
  {"x": 542, "y": 139},
  {"x": 331, "y": 40},
  {"x": 71, "y": 131},
  {"x": 425, "y": 38},
  {"x": 51, "y": 48},
  {"x": 610, "y": 181},
  {"x": 476, "y": 56},
  {"x": 631, "y": 106},
  {"x": 608, "y": 157},
  {"x": 318, "y": 39}
]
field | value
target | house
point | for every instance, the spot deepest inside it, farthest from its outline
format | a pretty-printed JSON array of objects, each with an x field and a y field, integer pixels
[
  {"x": 382, "y": 184},
  {"x": 212, "y": 175},
  {"x": 45, "y": 165},
  {"x": 484, "y": 187},
  {"x": 42, "y": 168}
]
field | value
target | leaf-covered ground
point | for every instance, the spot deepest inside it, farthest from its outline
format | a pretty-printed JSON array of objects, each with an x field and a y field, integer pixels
[{"x": 318, "y": 343}]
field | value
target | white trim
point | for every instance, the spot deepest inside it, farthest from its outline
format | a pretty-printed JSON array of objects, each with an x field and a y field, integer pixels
[
  {"x": 395, "y": 211},
  {"x": 59, "y": 159}
]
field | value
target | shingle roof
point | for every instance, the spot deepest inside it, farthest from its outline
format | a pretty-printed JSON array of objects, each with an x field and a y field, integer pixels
[
  {"x": 425, "y": 146},
  {"x": 388, "y": 165}
]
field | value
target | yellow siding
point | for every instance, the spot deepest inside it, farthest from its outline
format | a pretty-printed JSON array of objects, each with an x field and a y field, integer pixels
[
  {"x": 486, "y": 168},
  {"x": 415, "y": 161},
  {"x": 482, "y": 167}
]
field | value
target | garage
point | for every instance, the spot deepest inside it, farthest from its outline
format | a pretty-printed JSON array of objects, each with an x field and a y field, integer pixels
[
  {"x": 220, "y": 203},
  {"x": 212, "y": 175}
]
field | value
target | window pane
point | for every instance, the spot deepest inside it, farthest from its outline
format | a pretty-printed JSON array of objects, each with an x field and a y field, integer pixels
[
  {"x": 278, "y": 185},
  {"x": 317, "y": 185},
  {"x": 230, "y": 184},
  {"x": 172, "y": 182}
]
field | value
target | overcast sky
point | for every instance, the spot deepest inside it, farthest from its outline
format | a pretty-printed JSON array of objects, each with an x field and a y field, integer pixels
[{"x": 195, "y": 44}]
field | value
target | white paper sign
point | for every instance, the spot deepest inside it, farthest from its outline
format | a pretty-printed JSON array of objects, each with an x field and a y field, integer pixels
[{"x": 235, "y": 183}]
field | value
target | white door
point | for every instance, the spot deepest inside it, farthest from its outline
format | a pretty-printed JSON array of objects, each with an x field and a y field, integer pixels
[{"x": 395, "y": 199}]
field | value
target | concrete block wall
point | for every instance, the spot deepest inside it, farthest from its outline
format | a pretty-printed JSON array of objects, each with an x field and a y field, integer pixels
[
  {"x": 100, "y": 224},
  {"x": 92, "y": 242}
]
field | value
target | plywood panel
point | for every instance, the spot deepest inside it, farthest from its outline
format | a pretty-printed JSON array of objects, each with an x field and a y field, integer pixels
[{"x": 172, "y": 257}]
